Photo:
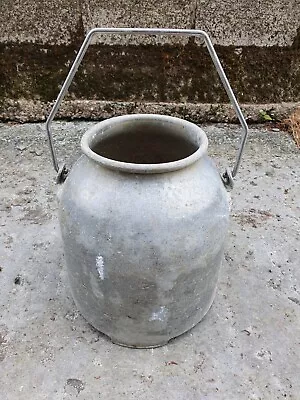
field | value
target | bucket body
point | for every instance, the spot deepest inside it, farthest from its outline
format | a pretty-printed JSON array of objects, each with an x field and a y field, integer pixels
[{"x": 144, "y": 217}]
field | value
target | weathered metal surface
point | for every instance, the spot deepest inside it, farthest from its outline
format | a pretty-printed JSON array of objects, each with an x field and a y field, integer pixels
[{"x": 144, "y": 242}]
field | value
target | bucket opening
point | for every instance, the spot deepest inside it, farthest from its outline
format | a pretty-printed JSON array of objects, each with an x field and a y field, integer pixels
[{"x": 145, "y": 142}]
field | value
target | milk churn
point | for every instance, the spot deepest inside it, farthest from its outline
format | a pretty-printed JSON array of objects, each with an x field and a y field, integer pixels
[{"x": 144, "y": 216}]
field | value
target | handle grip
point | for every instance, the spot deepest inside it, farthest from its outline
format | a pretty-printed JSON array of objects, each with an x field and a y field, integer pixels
[{"x": 229, "y": 174}]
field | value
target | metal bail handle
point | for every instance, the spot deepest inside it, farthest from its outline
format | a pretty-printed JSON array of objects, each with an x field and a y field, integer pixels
[{"x": 229, "y": 174}]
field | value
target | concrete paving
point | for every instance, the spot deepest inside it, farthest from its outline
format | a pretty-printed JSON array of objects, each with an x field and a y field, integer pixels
[{"x": 248, "y": 345}]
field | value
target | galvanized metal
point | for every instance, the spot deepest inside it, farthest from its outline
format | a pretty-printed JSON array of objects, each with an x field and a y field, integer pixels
[
  {"x": 227, "y": 176},
  {"x": 144, "y": 228}
]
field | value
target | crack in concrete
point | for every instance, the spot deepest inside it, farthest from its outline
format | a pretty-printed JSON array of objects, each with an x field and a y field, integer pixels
[
  {"x": 195, "y": 9},
  {"x": 296, "y": 41},
  {"x": 81, "y": 29}
]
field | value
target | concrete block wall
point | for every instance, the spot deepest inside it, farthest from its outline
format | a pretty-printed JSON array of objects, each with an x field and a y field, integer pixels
[{"x": 258, "y": 43}]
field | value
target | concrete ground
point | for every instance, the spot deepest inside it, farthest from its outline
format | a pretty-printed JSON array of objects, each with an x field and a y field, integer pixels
[{"x": 248, "y": 345}]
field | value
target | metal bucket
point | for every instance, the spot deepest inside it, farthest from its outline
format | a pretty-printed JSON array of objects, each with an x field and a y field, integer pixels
[{"x": 144, "y": 215}]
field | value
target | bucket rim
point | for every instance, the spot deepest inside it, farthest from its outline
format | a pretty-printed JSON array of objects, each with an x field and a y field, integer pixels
[{"x": 98, "y": 130}]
